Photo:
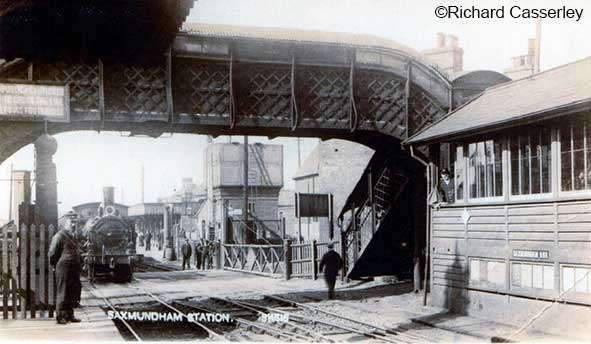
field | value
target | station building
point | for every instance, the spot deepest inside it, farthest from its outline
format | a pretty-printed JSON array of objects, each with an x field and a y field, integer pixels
[
  {"x": 186, "y": 203},
  {"x": 221, "y": 216},
  {"x": 334, "y": 167},
  {"x": 514, "y": 234}
]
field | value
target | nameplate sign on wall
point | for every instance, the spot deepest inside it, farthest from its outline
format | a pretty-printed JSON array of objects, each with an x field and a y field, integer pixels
[
  {"x": 533, "y": 254},
  {"x": 24, "y": 100}
]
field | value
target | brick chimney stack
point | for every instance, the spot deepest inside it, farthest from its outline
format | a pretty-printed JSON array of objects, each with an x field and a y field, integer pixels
[
  {"x": 523, "y": 65},
  {"x": 447, "y": 54}
]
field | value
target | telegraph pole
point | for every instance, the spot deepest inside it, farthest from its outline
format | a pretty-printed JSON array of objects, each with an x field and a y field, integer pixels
[{"x": 143, "y": 183}]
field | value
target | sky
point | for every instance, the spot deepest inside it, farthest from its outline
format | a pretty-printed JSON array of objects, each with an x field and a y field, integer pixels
[{"x": 87, "y": 161}]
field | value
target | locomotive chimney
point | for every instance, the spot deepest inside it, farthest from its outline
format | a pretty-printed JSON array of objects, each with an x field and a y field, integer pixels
[{"x": 108, "y": 196}]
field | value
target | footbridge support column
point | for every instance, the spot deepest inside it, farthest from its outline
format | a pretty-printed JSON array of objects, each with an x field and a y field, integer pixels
[{"x": 46, "y": 180}]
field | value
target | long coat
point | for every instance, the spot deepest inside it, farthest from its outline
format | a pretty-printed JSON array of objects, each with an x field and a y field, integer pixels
[
  {"x": 63, "y": 255},
  {"x": 186, "y": 250},
  {"x": 331, "y": 263}
]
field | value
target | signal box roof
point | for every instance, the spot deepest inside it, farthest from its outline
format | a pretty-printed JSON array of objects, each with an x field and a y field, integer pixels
[{"x": 555, "y": 92}]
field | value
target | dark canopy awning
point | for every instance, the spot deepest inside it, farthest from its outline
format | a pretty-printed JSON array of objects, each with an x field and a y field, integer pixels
[{"x": 125, "y": 28}]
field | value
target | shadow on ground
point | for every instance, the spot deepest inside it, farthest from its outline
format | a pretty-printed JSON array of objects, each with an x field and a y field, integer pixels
[{"x": 348, "y": 294}]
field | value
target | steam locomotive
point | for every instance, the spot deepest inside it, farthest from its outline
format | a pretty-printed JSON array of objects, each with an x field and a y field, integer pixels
[{"x": 108, "y": 242}]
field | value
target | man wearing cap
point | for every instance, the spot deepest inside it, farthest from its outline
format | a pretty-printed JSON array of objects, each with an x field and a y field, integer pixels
[
  {"x": 331, "y": 263},
  {"x": 64, "y": 257},
  {"x": 446, "y": 187},
  {"x": 186, "y": 251}
]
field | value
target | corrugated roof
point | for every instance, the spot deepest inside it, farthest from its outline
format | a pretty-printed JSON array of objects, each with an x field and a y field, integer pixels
[
  {"x": 520, "y": 100},
  {"x": 300, "y": 36}
]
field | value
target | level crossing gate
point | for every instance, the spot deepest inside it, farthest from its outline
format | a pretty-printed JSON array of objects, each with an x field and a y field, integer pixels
[{"x": 27, "y": 280}]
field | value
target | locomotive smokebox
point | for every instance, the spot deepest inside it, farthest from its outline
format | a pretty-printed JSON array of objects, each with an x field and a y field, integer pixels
[{"x": 108, "y": 196}]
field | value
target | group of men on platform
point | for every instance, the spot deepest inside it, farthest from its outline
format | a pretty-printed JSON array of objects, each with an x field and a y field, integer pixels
[
  {"x": 203, "y": 254},
  {"x": 146, "y": 240}
]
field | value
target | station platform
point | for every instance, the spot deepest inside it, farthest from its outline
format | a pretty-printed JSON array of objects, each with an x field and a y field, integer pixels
[{"x": 95, "y": 326}]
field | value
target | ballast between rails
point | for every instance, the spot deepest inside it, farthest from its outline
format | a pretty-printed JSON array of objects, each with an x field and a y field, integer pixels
[{"x": 210, "y": 332}]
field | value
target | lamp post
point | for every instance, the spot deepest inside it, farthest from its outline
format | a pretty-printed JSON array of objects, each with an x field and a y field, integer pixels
[{"x": 169, "y": 251}]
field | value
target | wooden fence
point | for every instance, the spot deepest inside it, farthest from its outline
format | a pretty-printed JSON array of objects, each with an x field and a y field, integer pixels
[
  {"x": 27, "y": 282},
  {"x": 290, "y": 260},
  {"x": 306, "y": 257}
]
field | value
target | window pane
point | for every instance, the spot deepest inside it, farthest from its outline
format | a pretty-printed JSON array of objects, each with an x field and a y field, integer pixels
[
  {"x": 579, "y": 156},
  {"x": 581, "y": 280},
  {"x": 485, "y": 169},
  {"x": 444, "y": 156},
  {"x": 546, "y": 160},
  {"x": 588, "y": 152},
  {"x": 489, "y": 168},
  {"x": 568, "y": 278},
  {"x": 459, "y": 175},
  {"x": 484, "y": 270},
  {"x": 548, "y": 277},
  {"x": 525, "y": 168},
  {"x": 526, "y": 275},
  {"x": 516, "y": 275},
  {"x": 472, "y": 163},
  {"x": 498, "y": 169},
  {"x": 474, "y": 270},
  {"x": 538, "y": 277},
  {"x": 535, "y": 162},
  {"x": 514, "y": 166},
  {"x": 566, "y": 159},
  {"x": 496, "y": 273},
  {"x": 480, "y": 168}
]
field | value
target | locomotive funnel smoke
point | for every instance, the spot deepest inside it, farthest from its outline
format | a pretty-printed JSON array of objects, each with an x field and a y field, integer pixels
[{"x": 108, "y": 196}]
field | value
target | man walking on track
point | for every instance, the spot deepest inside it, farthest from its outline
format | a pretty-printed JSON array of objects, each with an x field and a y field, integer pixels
[
  {"x": 186, "y": 251},
  {"x": 331, "y": 263},
  {"x": 63, "y": 255}
]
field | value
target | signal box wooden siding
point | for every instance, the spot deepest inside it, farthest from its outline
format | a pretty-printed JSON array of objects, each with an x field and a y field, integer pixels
[{"x": 515, "y": 231}]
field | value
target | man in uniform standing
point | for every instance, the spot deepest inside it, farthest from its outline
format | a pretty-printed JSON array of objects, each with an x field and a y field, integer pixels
[
  {"x": 186, "y": 250},
  {"x": 149, "y": 241},
  {"x": 333, "y": 262},
  {"x": 198, "y": 252},
  {"x": 205, "y": 255},
  {"x": 64, "y": 257}
]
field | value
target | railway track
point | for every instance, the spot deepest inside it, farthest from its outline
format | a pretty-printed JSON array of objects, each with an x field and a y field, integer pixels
[
  {"x": 252, "y": 319},
  {"x": 271, "y": 318},
  {"x": 134, "y": 331},
  {"x": 286, "y": 320},
  {"x": 345, "y": 320},
  {"x": 152, "y": 267}
]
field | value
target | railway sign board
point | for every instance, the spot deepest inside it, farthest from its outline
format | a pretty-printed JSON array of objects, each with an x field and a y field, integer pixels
[
  {"x": 34, "y": 101},
  {"x": 533, "y": 254},
  {"x": 312, "y": 205}
]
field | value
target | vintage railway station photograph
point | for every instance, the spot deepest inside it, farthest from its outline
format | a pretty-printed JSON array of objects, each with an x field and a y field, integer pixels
[{"x": 295, "y": 171}]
